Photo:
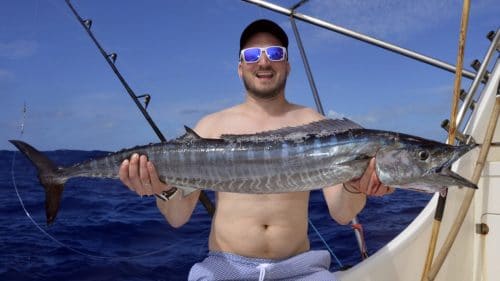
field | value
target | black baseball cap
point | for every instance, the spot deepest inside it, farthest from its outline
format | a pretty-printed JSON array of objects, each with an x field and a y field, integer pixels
[{"x": 263, "y": 25}]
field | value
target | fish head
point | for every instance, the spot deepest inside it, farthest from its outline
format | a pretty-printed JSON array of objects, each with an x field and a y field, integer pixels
[{"x": 421, "y": 164}]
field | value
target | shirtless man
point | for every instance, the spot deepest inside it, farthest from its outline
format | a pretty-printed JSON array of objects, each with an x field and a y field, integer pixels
[{"x": 256, "y": 236}]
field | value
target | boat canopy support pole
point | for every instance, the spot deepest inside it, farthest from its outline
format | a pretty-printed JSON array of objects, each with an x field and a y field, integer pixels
[
  {"x": 361, "y": 37},
  {"x": 319, "y": 107},
  {"x": 111, "y": 59},
  {"x": 307, "y": 68}
]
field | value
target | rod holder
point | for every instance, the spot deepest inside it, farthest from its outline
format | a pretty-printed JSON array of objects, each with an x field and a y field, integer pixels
[
  {"x": 490, "y": 35},
  {"x": 476, "y": 64},
  {"x": 461, "y": 138},
  {"x": 463, "y": 96}
]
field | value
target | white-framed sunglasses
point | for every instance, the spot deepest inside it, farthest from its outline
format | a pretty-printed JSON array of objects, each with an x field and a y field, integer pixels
[{"x": 273, "y": 53}]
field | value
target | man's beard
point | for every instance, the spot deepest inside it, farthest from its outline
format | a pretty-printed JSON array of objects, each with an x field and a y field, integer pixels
[{"x": 265, "y": 93}]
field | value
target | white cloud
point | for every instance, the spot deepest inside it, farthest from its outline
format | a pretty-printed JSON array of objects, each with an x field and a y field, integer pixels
[
  {"x": 383, "y": 18},
  {"x": 18, "y": 49},
  {"x": 335, "y": 115},
  {"x": 423, "y": 114}
]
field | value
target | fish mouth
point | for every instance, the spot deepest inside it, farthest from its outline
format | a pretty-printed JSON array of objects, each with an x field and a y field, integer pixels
[
  {"x": 449, "y": 177},
  {"x": 455, "y": 179}
]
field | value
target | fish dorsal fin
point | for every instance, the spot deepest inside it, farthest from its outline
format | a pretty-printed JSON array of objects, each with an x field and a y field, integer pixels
[
  {"x": 325, "y": 127},
  {"x": 190, "y": 135},
  {"x": 337, "y": 125}
]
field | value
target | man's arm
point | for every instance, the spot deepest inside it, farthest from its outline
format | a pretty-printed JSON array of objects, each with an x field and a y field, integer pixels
[
  {"x": 343, "y": 206},
  {"x": 346, "y": 200}
]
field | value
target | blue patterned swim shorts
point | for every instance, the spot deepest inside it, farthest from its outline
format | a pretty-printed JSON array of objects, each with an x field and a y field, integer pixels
[{"x": 310, "y": 266}]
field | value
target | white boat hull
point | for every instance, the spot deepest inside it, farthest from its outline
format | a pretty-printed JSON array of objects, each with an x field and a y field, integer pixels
[{"x": 473, "y": 256}]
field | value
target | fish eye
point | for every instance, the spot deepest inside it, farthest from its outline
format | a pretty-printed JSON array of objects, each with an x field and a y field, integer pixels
[{"x": 423, "y": 155}]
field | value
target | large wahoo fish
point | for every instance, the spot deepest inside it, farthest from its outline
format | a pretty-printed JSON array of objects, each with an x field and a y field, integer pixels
[{"x": 307, "y": 157}]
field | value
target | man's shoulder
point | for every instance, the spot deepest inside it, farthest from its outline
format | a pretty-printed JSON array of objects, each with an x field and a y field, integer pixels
[
  {"x": 305, "y": 114},
  {"x": 211, "y": 125},
  {"x": 236, "y": 120},
  {"x": 304, "y": 109}
]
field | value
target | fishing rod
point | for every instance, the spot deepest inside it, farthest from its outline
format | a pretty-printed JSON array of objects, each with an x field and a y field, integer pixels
[
  {"x": 111, "y": 59},
  {"x": 441, "y": 205}
]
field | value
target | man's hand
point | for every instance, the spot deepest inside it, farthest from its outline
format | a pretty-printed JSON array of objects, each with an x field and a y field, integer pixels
[
  {"x": 140, "y": 176},
  {"x": 369, "y": 183}
]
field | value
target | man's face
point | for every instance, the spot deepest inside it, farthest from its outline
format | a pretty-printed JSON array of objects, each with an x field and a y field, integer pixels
[{"x": 265, "y": 78}]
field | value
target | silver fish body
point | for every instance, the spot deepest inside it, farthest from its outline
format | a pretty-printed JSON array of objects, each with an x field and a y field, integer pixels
[{"x": 301, "y": 158}]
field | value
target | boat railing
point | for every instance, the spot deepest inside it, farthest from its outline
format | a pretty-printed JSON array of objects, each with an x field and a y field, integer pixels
[{"x": 481, "y": 76}]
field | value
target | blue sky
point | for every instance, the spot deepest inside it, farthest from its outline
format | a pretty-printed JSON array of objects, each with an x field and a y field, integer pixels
[{"x": 184, "y": 53}]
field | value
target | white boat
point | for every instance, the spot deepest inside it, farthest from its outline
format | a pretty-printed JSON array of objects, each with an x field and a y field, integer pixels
[
  {"x": 475, "y": 252},
  {"x": 475, "y": 249}
]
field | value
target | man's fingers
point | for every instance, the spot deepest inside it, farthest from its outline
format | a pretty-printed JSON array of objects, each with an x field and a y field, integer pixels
[
  {"x": 374, "y": 184},
  {"x": 378, "y": 188},
  {"x": 158, "y": 186},
  {"x": 139, "y": 175},
  {"x": 365, "y": 182},
  {"x": 123, "y": 173},
  {"x": 133, "y": 168},
  {"x": 153, "y": 175},
  {"x": 134, "y": 174},
  {"x": 369, "y": 183},
  {"x": 144, "y": 175}
]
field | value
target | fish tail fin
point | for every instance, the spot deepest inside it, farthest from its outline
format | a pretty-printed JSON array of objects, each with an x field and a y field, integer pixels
[{"x": 49, "y": 175}]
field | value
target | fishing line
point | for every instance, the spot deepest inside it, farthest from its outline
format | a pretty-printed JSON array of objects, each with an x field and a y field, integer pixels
[
  {"x": 13, "y": 177},
  {"x": 41, "y": 229},
  {"x": 60, "y": 10},
  {"x": 326, "y": 244}
]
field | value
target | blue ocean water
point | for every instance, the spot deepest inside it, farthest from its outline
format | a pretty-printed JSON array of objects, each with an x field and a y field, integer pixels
[{"x": 109, "y": 233}]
